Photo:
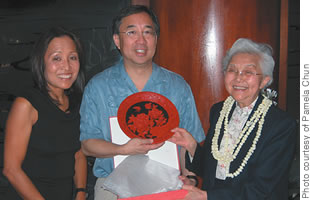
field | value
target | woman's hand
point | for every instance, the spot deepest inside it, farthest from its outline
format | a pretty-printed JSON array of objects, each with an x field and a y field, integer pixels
[
  {"x": 80, "y": 196},
  {"x": 194, "y": 193},
  {"x": 185, "y": 139},
  {"x": 187, "y": 181}
]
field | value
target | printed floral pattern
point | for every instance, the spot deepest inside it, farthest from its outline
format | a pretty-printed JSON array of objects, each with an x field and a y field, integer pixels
[
  {"x": 144, "y": 116},
  {"x": 236, "y": 123},
  {"x": 228, "y": 150}
]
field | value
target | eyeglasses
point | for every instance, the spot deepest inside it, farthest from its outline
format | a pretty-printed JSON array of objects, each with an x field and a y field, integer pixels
[
  {"x": 247, "y": 73},
  {"x": 135, "y": 34}
]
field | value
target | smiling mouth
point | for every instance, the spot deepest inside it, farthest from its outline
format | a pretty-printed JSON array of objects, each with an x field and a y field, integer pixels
[
  {"x": 140, "y": 50},
  {"x": 63, "y": 76},
  {"x": 239, "y": 88}
]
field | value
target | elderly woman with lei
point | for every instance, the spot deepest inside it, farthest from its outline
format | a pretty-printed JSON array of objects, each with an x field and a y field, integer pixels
[{"x": 250, "y": 143}]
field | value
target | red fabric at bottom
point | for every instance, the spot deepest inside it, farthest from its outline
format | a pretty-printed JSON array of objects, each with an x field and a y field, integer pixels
[{"x": 171, "y": 195}]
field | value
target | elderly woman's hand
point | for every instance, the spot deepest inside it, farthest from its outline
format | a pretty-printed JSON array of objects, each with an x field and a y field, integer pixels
[
  {"x": 185, "y": 139},
  {"x": 187, "y": 181},
  {"x": 194, "y": 193}
]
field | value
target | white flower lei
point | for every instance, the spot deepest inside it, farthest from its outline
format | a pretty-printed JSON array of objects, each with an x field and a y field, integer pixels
[{"x": 230, "y": 153}]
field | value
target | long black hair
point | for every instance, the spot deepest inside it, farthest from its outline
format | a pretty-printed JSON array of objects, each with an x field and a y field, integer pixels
[{"x": 38, "y": 64}]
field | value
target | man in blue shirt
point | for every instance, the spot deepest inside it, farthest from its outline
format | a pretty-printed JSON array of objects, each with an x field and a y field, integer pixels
[{"x": 135, "y": 34}]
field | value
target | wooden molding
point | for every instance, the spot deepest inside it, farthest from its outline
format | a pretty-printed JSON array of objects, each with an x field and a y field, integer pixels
[
  {"x": 283, "y": 54},
  {"x": 141, "y": 2}
]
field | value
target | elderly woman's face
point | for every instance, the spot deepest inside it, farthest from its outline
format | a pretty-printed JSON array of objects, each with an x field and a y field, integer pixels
[{"x": 244, "y": 78}]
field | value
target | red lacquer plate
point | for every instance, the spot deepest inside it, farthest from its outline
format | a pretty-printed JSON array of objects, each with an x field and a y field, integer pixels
[{"x": 148, "y": 115}]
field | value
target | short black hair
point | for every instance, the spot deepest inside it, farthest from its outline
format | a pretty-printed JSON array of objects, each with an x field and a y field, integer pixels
[{"x": 134, "y": 9}]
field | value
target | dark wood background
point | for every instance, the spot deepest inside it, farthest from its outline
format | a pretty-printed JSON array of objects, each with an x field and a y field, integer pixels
[{"x": 196, "y": 34}]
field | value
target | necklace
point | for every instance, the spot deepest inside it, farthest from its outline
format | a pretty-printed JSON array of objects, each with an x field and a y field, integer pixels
[{"x": 230, "y": 153}]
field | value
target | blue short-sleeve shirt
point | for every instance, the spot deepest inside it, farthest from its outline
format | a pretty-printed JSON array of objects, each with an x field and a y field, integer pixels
[{"x": 105, "y": 92}]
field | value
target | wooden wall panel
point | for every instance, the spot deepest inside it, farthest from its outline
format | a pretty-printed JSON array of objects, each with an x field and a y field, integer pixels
[
  {"x": 196, "y": 34},
  {"x": 140, "y": 2},
  {"x": 283, "y": 55}
]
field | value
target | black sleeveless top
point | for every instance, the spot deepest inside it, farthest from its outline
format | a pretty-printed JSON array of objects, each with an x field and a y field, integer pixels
[{"x": 49, "y": 161}]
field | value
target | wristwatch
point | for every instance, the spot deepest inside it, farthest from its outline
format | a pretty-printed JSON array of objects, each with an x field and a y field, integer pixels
[{"x": 77, "y": 190}]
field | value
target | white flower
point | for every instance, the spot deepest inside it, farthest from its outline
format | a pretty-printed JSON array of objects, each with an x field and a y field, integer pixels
[
  {"x": 270, "y": 94},
  {"x": 230, "y": 153}
]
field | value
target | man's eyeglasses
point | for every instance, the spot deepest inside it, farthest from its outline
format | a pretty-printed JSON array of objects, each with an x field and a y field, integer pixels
[
  {"x": 135, "y": 34},
  {"x": 247, "y": 72}
]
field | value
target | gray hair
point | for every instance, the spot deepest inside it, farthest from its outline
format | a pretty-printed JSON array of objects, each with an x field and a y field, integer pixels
[{"x": 264, "y": 51}]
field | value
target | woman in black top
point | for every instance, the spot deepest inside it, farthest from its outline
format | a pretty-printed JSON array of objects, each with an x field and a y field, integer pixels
[{"x": 42, "y": 153}]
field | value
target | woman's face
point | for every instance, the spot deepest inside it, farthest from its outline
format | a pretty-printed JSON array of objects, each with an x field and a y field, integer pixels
[
  {"x": 244, "y": 78},
  {"x": 61, "y": 63}
]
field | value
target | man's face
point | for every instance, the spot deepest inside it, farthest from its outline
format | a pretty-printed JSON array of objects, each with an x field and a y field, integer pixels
[{"x": 137, "y": 40}]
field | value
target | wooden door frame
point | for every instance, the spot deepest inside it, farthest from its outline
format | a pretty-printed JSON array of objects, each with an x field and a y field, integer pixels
[
  {"x": 283, "y": 50},
  {"x": 283, "y": 55}
]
